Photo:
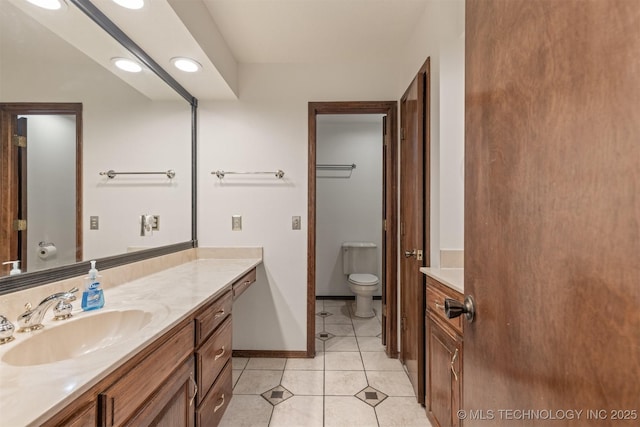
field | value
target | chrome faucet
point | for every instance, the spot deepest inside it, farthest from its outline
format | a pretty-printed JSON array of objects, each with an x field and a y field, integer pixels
[{"x": 31, "y": 319}]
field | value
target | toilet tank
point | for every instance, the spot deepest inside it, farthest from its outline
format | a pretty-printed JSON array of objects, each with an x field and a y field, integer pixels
[{"x": 359, "y": 257}]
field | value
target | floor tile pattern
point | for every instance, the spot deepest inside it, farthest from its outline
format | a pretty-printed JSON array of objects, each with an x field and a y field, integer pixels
[{"x": 350, "y": 382}]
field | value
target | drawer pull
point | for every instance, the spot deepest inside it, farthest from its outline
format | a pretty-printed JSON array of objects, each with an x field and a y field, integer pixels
[
  {"x": 219, "y": 314},
  {"x": 219, "y": 405},
  {"x": 220, "y": 354},
  {"x": 438, "y": 306},
  {"x": 453, "y": 360},
  {"x": 195, "y": 390}
]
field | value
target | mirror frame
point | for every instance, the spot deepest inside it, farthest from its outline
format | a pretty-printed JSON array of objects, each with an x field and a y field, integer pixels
[{"x": 23, "y": 281}]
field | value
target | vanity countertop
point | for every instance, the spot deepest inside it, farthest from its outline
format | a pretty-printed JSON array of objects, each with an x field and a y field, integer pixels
[
  {"x": 30, "y": 395},
  {"x": 451, "y": 277}
]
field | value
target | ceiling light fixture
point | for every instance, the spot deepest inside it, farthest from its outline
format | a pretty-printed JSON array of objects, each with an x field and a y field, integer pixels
[
  {"x": 48, "y": 4},
  {"x": 130, "y": 4},
  {"x": 127, "y": 65},
  {"x": 186, "y": 64}
]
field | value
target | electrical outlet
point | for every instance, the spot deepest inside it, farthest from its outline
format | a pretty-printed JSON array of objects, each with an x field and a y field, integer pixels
[
  {"x": 295, "y": 223},
  {"x": 236, "y": 222},
  {"x": 156, "y": 223}
]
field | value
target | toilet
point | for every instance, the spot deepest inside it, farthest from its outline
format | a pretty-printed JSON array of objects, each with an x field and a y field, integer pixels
[{"x": 360, "y": 264}]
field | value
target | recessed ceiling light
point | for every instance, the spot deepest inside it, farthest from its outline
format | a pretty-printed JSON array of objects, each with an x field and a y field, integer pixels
[
  {"x": 186, "y": 64},
  {"x": 127, "y": 65},
  {"x": 48, "y": 4},
  {"x": 130, "y": 4}
]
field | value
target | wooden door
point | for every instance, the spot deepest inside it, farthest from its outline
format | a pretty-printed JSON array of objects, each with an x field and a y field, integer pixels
[
  {"x": 385, "y": 244},
  {"x": 413, "y": 193},
  {"x": 552, "y": 212}
]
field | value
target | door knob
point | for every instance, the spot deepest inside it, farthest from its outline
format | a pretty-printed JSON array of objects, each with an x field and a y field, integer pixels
[
  {"x": 453, "y": 308},
  {"x": 415, "y": 252}
]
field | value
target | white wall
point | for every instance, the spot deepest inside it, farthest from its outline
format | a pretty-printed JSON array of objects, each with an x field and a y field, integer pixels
[
  {"x": 267, "y": 130},
  {"x": 348, "y": 203},
  {"x": 122, "y": 130},
  {"x": 440, "y": 36}
]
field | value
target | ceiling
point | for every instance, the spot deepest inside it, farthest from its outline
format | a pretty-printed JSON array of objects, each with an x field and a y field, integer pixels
[
  {"x": 312, "y": 31},
  {"x": 223, "y": 34}
]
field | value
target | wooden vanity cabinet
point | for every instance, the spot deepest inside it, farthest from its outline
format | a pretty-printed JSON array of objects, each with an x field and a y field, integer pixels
[
  {"x": 183, "y": 379},
  {"x": 172, "y": 404},
  {"x": 83, "y": 414},
  {"x": 241, "y": 285},
  {"x": 213, "y": 361},
  {"x": 443, "y": 373}
]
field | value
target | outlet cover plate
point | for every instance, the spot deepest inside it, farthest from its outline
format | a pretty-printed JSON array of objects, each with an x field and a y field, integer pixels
[
  {"x": 94, "y": 222},
  {"x": 295, "y": 223},
  {"x": 236, "y": 222}
]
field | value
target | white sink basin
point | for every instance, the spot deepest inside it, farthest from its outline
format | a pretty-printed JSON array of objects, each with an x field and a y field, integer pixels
[{"x": 78, "y": 336}]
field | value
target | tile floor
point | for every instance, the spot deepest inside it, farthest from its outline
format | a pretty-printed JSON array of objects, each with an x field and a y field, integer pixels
[{"x": 349, "y": 383}]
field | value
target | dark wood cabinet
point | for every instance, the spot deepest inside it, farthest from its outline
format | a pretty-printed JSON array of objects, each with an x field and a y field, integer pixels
[
  {"x": 213, "y": 363},
  {"x": 172, "y": 404},
  {"x": 182, "y": 379},
  {"x": 443, "y": 349}
]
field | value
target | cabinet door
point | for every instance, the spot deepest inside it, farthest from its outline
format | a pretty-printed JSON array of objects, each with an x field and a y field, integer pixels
[
  {"x": 173, "y": 404},
  {"x": 445, "y": 377},
  {"x": 133, "y": 390}
]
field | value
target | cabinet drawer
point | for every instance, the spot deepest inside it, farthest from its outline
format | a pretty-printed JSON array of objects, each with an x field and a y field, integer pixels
[
  {"x": 216, "y": 401},
  {"x": 241, "y": 285},
  {"x": 436, "y": 294},
  {"x": 213, "y": 356},
  {"x": 209, "y": 319},
  {"x": 120, "y": 401}
]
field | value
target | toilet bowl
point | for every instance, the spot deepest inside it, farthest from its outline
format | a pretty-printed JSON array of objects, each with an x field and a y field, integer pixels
[
  {"x": 364, "y": 286},
  {"x": 359, "y": 265}
]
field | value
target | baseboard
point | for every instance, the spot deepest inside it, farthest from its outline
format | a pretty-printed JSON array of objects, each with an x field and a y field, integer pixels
[
  {"x": 270, "y": 353},
  {"x": 338, "y": 297}
]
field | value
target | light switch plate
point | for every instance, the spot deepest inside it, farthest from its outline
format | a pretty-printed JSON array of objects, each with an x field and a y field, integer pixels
[
  {"x": 295, "y": 223},
  {"x": 236, "y": 222},
  {"x": 94, "y": 222}
]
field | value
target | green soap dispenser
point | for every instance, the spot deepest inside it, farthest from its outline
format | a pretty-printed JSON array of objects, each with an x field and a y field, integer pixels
[{"x": 93, "y": 296}]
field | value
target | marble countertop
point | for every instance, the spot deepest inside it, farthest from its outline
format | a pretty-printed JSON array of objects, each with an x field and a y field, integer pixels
[
  {"x": 451, "y": 277},
  {"x": 30, "y": 395}
]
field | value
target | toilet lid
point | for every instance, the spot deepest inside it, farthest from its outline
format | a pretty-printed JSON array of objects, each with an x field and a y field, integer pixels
[{"x": 363, "y": 279}]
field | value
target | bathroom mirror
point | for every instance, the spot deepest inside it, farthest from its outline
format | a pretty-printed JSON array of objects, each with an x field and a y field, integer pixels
[{"x": 140, "y": 123}]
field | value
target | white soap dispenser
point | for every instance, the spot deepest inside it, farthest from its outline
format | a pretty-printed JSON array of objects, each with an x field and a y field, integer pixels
[{"x": 15, "y": 267}]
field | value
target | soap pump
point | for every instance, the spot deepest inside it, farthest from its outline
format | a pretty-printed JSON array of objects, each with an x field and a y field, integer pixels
[
  {"x": 93, "y": 296},
  {"x": 15, "y": 267}
]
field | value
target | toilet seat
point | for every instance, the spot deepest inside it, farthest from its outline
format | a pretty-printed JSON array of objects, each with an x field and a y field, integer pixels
[{"x": 363, "y": 279}]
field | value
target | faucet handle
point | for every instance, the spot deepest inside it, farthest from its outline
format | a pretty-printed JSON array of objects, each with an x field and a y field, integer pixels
[
  {"x": 6, "y": 330},
  {"x": 62, "y": 310}
]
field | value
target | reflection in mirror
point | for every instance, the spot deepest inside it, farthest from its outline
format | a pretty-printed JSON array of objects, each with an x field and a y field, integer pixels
[
  {"x": 128, "y": 123},
  {"x": 40, "y": 223}
]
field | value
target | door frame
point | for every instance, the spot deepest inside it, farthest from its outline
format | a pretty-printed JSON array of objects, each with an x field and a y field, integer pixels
[{"x": 390, "y": 256}]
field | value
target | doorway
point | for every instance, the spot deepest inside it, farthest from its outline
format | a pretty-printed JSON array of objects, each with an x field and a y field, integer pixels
[{"x": 388, "y": 277}]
